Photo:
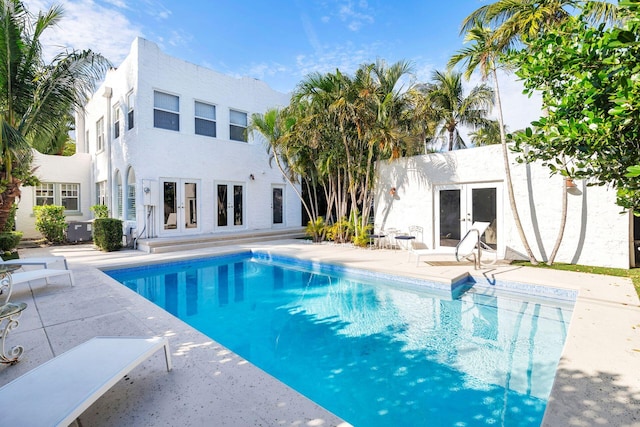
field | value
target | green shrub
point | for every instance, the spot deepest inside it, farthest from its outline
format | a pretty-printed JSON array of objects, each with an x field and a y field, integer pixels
[
  {"x": 100, "y": 211},
  {"x": 316, "y": 229},
  {"x": 9, "y": 240},
  {"x": 50, "y": 221},
  {"x": 107, "y": 234},
  {"x": 341, "y": 231}
]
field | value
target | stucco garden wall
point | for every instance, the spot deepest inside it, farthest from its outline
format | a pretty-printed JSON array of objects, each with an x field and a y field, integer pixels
[{"x": 596, "y": 233}]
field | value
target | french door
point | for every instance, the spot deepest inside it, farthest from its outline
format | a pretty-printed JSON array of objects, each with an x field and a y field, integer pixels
[
  {"x": 230, "y": 205},
  {"x": 458, "y": 206},
  {"x": 180, "y": 206}
]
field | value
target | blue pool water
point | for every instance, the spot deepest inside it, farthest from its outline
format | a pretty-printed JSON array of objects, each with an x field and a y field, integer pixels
[{"x": 375, "y": 350}]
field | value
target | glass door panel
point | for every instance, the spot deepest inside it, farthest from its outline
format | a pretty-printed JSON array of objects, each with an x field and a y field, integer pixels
[
  {"x": 237, "y": 205},
  {"x": 222, "y": 206},
  {"x": 450, "y": 208},
  {"x": 170, "y": 221},
  {"x": 484, "y": 208},
  {"x": 191, "y": 205},
  {"x": 277, "y": 205}
]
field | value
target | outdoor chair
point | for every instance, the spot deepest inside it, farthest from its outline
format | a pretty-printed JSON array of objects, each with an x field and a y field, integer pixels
[{"x": 45, "y": 262}]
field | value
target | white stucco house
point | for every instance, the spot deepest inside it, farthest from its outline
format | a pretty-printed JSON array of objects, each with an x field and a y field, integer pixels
[
  {"x": 444, "y": 193},
  {"x": 162, "y": 143}
]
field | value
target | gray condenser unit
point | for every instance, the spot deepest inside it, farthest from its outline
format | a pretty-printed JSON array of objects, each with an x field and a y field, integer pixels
[{"x": 79, "y": 231}]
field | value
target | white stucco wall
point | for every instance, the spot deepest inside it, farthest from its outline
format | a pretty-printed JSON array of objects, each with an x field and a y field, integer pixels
[
  {"x": 74, "y": 169},
  {"x": 156, "y": 153},
  {"x": 596, "y": 232}
]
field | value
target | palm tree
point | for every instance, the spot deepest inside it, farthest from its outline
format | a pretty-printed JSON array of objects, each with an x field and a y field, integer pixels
[
  {"x": 484, "y": 53},
  {"x": 487, "y": 135},
  {"x": 34, "y": 95},
  {"x": 453, "y": 109},
  {"x": 522, "y": 20},
  {"x": 517, "y": 21}
]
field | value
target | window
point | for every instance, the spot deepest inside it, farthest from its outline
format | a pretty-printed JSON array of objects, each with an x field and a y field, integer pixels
[
  {"x": 67, "y": 195},
  {"x": 116, "y": 121},
  {"x": 100, "y": 134},
  {"x": 44, "y": 194},
  {"x": 238, "y": 125},
  {"x": 131, "y": 195},
  {"x": 205, "y": 115},
  {"x": 130, "y": 105},
  {"x": 101, "y": 193},
  {"x": 166, "y": 111},
  {"x": 70, "y": 196}
]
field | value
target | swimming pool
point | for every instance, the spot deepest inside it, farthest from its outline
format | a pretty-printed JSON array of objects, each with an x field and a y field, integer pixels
[{"x": 371, "y": 348}]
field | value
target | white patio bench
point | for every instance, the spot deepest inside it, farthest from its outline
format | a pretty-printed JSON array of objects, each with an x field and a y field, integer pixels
[{"x": 60, "y": 390}]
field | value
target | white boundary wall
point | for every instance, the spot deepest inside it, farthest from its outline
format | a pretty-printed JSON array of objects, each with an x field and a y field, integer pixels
[{"x": 596, "y": 233}]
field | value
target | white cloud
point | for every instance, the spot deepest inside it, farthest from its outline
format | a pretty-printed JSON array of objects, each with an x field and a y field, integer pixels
[{"x": 88, "y": 25}]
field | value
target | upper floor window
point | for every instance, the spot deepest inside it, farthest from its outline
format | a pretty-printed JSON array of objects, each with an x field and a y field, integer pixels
[
  {"x": 130, "y": 107},
  {"x": 205, "y": 115},
  {"x": 237, "y": 125},
  {"x": 166, "y": 111},
  {"x": 100, "y": 134},
  {"x": 67, "y": 195},
  {"x": 116, "y": 121}
]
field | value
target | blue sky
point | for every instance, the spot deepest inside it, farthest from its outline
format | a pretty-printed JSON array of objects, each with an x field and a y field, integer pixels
[{"x": 280, "y": 42}]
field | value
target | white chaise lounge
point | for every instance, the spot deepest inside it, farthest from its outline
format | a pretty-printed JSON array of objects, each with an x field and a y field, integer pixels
[
  {"x": 43, "y": 273},
  {"x": 60, "y": 390}
]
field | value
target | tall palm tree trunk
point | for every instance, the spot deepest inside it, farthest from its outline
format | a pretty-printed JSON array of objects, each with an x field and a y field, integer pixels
[
  {"x": 563, "y": 223},
  {"x": 507, "y": 173}
]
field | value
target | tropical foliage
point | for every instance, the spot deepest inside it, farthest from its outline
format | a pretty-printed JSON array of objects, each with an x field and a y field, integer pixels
[
  {"x": 588, "y": 77},
  {"x": 35, "y": 96}
]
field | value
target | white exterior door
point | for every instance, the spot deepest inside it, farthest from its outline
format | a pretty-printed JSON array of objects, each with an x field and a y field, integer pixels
[
  {"x": 230, "y": 205},
  {"x": 180, "y": 206},
  {"x": 458, "y": 206}
]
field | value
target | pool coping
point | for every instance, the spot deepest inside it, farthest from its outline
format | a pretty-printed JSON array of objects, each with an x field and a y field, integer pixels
[{"x": 592, "y": 386}]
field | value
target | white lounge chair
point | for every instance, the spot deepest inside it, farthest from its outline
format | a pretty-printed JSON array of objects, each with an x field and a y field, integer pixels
[
  {"x": 470, "y": 246},
  {"x": 43, "y": 273},
  {"x": 46, "y": 262},
  {"x": 60, "y": 390}
]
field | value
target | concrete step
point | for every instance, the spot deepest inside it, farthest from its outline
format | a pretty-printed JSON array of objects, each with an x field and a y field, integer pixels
[{"x": 182, "y": 243}]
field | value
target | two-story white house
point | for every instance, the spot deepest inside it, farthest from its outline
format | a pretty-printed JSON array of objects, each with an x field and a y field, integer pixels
[{"x": 164, "y": 144}]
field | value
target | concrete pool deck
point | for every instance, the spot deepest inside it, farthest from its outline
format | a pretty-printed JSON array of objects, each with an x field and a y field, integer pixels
[{"x": 597, "y": 381}]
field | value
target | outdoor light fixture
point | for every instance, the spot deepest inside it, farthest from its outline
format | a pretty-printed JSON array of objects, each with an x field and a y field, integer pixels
[
  {"x": 570, "y": 184},
  {"x": 392, "y": 191}
]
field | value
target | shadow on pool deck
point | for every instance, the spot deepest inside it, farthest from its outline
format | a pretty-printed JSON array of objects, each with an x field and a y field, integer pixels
[{"x": 597, "y": 380}]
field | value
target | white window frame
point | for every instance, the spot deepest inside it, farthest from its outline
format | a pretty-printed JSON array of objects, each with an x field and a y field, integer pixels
[
  {"x": 166, "y": 110},
  {"x": 100, "y": 134},
  {"x": 55, "y": 194},
  {"x": 116, "y": 121},
  {"x": 101, "y": 193},
  {"x": 205, "y": 119},
  {"x": 130, "y": 110},
  {"x": 244, "y": 126}
]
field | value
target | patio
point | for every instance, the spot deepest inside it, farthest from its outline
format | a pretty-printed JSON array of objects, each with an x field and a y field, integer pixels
[{"x": 596, "y": 383}]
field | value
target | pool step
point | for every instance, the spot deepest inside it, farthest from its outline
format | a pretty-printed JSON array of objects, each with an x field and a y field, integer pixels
[{"x": 200, "y": 241}]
